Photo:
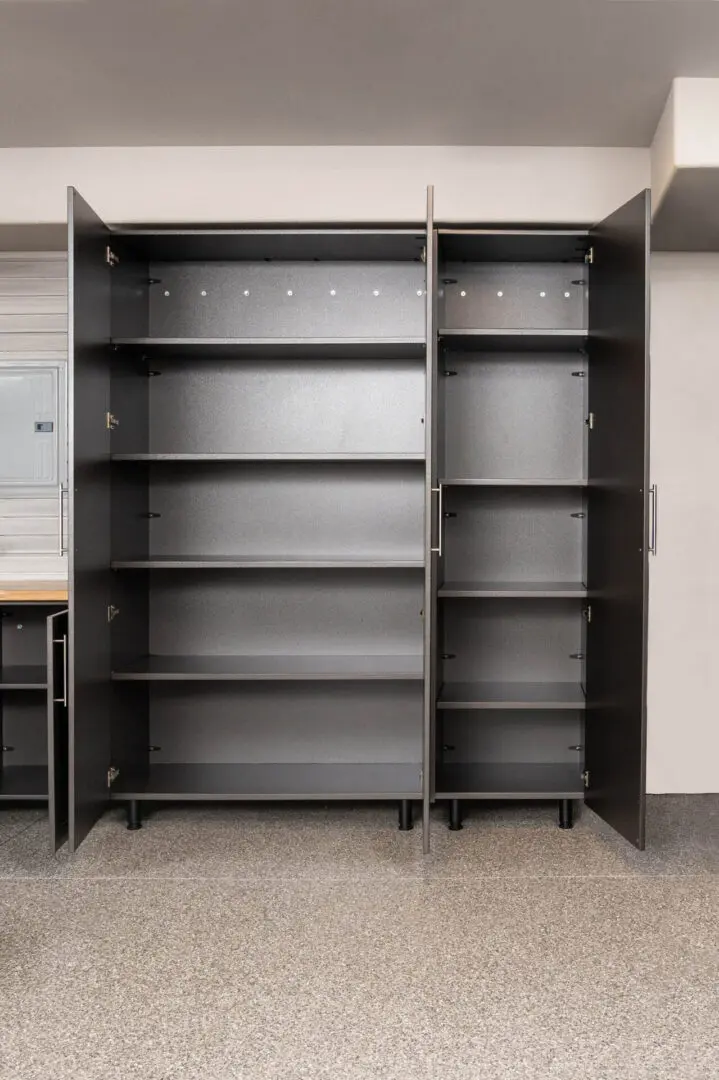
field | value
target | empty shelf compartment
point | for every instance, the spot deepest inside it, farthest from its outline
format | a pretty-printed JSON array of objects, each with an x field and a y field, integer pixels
[
  {"x": 541, "y": 590},
  {"x": 513, "y": 780},
  {"x": 23, "y": 677},
  {"x": 260, "y": 562},
  {"x": 511, "y": 695},
  {"x": 273, "y": 781},
  {"x": 267, "y": 668},
  {"x": 513, "y": 340},
  {"x": 389, "y": 348},
  {"x": 23, "y": 782}
]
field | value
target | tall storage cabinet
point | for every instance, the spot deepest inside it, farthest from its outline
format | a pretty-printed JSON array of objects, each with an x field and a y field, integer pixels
[
  {"x": 347, "y": 516},
  {"x": 259, "y": 416},
  {"x": 540, "y": 459}
]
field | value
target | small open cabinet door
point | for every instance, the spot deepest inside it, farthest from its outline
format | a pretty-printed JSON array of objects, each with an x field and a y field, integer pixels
[
  {"x": 616, "y": 717},
  {"x": 89, "y": 516},
  {"x": 57, "y": 727}
]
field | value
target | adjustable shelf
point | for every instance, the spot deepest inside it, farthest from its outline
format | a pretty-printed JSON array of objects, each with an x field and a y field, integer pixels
[
  {"x": 272, "y": 781},
  {"x": 410, "y": 348},
  {"x": 18, "y": 782},
  {"x": 540, "y": 590},
  {"x": 520, "y": 483},
  {"x": 514, "y": 245},
  {"x": 271, "y": 668},
  {"x": 514, "y": 340},
  {"x": 269, "y": 457},
  {"x": 499, "y": 780},
  {"x": 23, "y": 677},
  {"x": 367, "y": 243},
  {"x": 511, "y": 695},
  {"x": 262, "y": 562}
]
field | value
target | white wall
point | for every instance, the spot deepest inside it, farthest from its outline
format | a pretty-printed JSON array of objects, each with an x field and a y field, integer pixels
[
  {"x": 683, "y": 753},
  {"x": 325, "y": 183}
]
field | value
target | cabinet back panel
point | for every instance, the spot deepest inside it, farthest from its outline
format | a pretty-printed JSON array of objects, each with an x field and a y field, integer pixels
[
  {"x": 24, "y": 636},
  {"x": 517, "y": 736},
  {"x": 24, "y": 727},
  {"x": 286, "y": 612},
  {"x": 513, "y": 535},
  {"x": 512, "y": 296},
  {"x": 289, "y": 723},
  {"x": 288, "y": 407},
  {"x": 514, "y": 416},
  {"x": 288, "y": 299},
  {"x": 280, "y": 509},
  {"x": 512, "y": 640}
]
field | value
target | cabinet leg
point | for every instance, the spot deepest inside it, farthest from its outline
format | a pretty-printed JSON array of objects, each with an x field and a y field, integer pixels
[
  {"x": 455, "y": 815},
  {"x": 405, "y": 815},
  {"x": 133, "y": 815},
  {"x": 566, "y": 813}
]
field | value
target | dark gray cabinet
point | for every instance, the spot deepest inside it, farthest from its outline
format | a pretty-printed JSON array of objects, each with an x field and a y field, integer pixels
[
  {"x": 336, "y": 513},
  {"x": 542, "y": 498},
  {"x": 33, "y": 709}
]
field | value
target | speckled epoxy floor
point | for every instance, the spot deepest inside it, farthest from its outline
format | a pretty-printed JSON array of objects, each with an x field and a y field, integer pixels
[{"x": 230, "y": 943}]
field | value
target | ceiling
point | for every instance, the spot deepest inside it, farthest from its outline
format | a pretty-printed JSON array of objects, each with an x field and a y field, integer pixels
[{"x": 412, "y": 72}]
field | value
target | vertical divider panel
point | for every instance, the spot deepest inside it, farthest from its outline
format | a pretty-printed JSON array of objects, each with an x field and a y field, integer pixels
[{"x": 432, "y": 525}]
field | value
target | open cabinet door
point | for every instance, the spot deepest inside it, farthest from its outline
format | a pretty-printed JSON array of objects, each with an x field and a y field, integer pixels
[
  {"x": 432, "y": 525},
  {"x": 57, "y": 727},
  {"x": 89, "y": 516},
  {"x": 616, "y": 717}
]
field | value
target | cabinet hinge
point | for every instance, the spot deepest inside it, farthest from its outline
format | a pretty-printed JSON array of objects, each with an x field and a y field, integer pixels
[
  {"x": 112, "y": 775},
  {"x": 112, "y": 611},
  {"x": 585, "y": 778},
  {"x": 423, "y": 256},
  {"x": 590, "y": 421},
  {"x": 589, "y": 256},
  {"x": 111, "y": 422},
  {"x": 110, "y": 257},
  {"x": 588, "y": 613}
]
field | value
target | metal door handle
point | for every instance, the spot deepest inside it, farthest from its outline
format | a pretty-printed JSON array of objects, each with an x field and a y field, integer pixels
[
  {"x": 653, "y": 522},
  {"x": 438, "y": 549},
  {"x": 62, "y": 641}
]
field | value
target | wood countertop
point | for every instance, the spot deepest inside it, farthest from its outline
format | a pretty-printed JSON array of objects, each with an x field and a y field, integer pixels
[{"x": 38, "y": 591}]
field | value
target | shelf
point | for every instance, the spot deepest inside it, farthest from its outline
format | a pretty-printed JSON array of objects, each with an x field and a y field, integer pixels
[
  {"x": 497, "y": 780},
  {"x": 514, "y": 245},
  {"x": 23, "y": 678},
  {"x": 23, "y": 782},
  {"x": 256, "y": 245},
  {"x": 413, "y": 348},
  {"x": 512, "y": 589},
  {"x": 273, "y": 782},
  {"x": 522, "y": 483},
  {"x": 268, "y": 668},
  {"x": 263, "y": 562},
  {"x": 514, "y": 340},
  {"x": 510, "y": 695},
  {"x": 269, "y": 457}
]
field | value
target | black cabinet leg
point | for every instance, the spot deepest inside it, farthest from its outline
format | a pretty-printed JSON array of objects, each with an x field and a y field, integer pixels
[
  {"x": 133, "y": 815},
  {"x": 566, "y": 813},
  {"x": 405, "y": 815},
  {"x": 455, "y": 815}
]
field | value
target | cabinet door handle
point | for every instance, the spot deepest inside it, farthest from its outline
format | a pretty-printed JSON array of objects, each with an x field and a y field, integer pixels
[
  {"x": 438, "y": 549},
  {"x": 653, "y": 520},
  {"x": 62, "y": 641}
]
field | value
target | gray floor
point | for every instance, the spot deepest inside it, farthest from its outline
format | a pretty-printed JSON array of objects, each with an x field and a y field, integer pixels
[{"x": 272, "y": 944}]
